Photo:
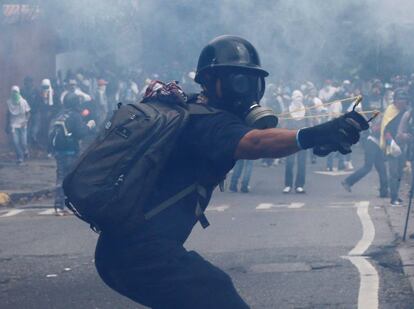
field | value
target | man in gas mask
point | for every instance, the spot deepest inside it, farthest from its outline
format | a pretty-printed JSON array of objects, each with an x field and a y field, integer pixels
[{"x": 151, "y": 265}]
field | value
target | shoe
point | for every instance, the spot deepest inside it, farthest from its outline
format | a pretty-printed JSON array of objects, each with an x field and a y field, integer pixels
[
  {"x": 59, "y": 212},
  {"x": 346, "y": 186},
  {"x": 329, "y": 169},
  {"x": 349, "y": 166},
  {"x": 396, "y": 203},
  {"x": 245, "y": 189},
  {"x": 233, "y": 188},
  {"x": 300, "y": 190},
  {"x": 400, "y": 200},
  {"x": 287, "y": 189}
]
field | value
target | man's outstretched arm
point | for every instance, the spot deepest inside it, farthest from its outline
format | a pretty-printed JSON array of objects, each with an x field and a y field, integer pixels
[
  {"x": 269, "y": 143},
  {"x": 335, "y": 135}
]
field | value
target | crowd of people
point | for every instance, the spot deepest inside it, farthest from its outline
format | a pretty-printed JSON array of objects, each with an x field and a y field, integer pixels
[
  {"x": 33, "y": 110},
  {"x": 388, "y": 142}
]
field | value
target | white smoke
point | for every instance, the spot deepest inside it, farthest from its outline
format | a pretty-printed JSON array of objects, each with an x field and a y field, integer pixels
[{"x": 307, "y": 39}]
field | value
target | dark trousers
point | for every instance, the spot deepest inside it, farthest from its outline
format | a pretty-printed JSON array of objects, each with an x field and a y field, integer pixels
[
  {"x": 330, "y": 160},
  {"x": 64, "y": 163},
  {"x": 374, "y": 156},
  {"x": 300, "y": 158},
  {"x": 160, "y": 273},
  {"x": 395, "y": 169},
  {"x": 245, "y": 167},
  {"x": 35, "y": 126}
]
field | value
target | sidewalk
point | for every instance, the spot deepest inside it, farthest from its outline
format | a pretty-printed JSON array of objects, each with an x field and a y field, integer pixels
[
  {"x": 34, "y": 179},
  {"x": 397, "y": 216}
]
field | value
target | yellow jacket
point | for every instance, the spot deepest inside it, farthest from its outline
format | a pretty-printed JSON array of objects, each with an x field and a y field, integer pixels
[{"x": 390, "y": 113}]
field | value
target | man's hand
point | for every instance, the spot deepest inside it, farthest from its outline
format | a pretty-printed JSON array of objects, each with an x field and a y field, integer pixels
[{"x": 336, "y": 135}]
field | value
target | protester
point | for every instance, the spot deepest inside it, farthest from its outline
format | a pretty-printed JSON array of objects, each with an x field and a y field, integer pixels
[
  {"x": 74, "y": 88},
  {"x": 327, "y": 92},
  {"x": 316, "y": 109},
  {"x": 150, "y": 265},
  {"x": 297, "y": 115},
  {"x": 389, "y": 142},
  {"x": 66, "y": 131},
  {"x": 102, "y": 105},
  {"x": 129, "y": 92},
  {"x": 335, "y": 109},
  {"x": 18, "y": 114},
  {"x": 244, "y": 167},
  {"x": 32, "y": 96},
  {"x": 374, "y": 156}
]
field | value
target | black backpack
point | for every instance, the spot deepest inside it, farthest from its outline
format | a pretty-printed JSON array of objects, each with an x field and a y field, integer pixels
[
  {"x": 112, "y": 180},
  {"x": 60, "y": 138}
]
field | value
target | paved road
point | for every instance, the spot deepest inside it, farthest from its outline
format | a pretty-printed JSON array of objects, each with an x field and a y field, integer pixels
[{"x": 325, "y": 249}]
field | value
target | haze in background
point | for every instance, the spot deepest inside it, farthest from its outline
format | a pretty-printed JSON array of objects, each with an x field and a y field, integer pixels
[{"x": 307, "y": 39}]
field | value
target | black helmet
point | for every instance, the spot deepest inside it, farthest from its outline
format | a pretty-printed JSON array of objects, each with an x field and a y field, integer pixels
[{"x": 228, "y": 51}]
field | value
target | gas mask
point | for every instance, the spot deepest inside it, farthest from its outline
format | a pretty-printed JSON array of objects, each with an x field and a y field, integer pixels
[
  {"x": 15, "y": 96},
  {"x": 242, "y": 93}
]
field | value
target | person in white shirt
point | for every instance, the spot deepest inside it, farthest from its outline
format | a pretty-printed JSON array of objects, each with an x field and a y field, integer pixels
[
  {"x": 73, "y": 88},
  {"x": 297, "y": 115},
  {"x": 327, "y": 92},
  {"x": 18, "y": 114}
]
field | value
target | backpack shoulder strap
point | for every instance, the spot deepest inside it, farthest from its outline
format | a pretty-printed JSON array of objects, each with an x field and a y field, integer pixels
[{"x": 202, "y": 109}]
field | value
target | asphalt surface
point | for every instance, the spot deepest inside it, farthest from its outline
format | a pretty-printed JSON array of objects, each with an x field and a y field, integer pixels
[{"x": 282, "y": 251}]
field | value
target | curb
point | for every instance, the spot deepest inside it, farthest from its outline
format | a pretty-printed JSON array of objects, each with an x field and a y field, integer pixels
[
  {"x": 406, "y": 253},
  {"x": 24, "y": 197},
  {"x": 407, "y": 257}
]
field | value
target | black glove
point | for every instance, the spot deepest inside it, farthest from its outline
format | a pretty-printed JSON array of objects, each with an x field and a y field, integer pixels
[{"x": 335, "y": 135}]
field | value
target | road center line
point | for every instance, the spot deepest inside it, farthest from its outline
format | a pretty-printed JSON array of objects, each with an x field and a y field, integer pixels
[
  {"x": 367, "y": 228},
  {"x": 369, "y": 285},
  {"x": 11, "y": 213},
  {"x": 369, "y": 280}
]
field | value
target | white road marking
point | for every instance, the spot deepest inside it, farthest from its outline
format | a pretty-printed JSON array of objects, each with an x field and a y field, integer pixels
[
  {"x": 369, "y": 285},
  {"x": 367, "y": 228},
  {"x": 49, "y": 211},
  {"x": 267, "y": 206},
  {"x": 333, "y": 173},
  {"x": 220, "y": 208},
  {"x": 369, "y": 280},
  {"x": 11, "y": 213},
  {"x": 296, "y": 205},
  {"x": 264, "y": 206}
]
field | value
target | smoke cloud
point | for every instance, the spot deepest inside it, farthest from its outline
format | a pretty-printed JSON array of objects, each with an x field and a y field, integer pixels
[{"x": 297, "y": 40}]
